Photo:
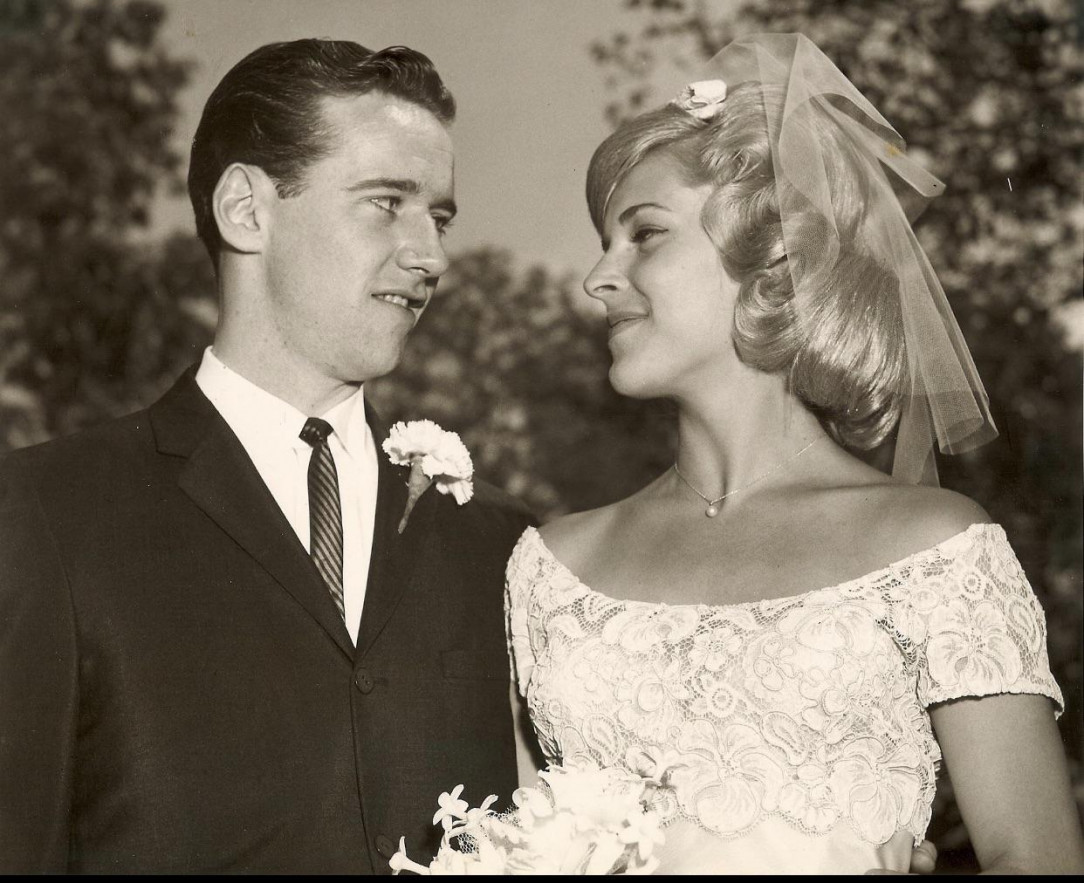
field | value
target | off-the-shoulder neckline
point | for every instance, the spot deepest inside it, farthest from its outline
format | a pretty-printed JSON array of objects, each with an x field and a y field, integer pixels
[{"x": 532, "y": 533}]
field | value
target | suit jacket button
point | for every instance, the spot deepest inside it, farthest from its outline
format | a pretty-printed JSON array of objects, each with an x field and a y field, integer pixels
[
  {"x": 364, "y": 681},
  {"x": 385, "y": 845}
]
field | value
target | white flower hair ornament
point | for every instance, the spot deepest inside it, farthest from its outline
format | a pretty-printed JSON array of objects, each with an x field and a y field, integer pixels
[
  {"x": 703, "y": 99},
  {"x": 435, "y": 456}
]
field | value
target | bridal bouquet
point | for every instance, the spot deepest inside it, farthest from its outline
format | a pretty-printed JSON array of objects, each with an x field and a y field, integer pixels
[{"x": 577, "y": 821}]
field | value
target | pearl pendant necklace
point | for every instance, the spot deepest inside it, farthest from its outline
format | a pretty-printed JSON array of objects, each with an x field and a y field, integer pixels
[{"x": 713, "y": 505}]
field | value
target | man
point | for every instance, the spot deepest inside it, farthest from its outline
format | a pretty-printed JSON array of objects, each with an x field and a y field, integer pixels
[{"x": 183, "y": 687}]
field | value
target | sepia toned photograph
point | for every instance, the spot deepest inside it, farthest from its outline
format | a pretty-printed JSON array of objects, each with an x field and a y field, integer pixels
[{"x": 541, "y": 437}]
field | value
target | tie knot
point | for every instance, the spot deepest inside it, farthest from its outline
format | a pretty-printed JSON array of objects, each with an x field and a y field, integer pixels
[{"x": 315, "y": 431}]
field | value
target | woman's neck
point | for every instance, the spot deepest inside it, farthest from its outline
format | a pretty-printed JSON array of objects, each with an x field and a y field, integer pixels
[{"x": 733, "y": 438}]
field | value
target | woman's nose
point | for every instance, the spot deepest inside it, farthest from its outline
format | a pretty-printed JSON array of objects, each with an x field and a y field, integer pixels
[{"x": 605, "y": 279}]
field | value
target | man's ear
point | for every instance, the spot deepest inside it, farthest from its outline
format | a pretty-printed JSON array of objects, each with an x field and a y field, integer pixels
[{"x": 240, "y": 206}]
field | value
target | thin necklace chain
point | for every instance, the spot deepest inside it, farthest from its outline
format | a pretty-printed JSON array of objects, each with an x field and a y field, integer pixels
[{"x": 713, "y": 505}]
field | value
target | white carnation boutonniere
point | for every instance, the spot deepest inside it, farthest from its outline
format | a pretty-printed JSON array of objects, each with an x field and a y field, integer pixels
[
  {"x": 703, "y": 99},
  {"x": 435, "y": 456}
]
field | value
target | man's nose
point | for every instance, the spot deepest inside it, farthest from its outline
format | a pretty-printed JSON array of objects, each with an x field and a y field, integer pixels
[
  {"x": 605, "y": 279},
  {"x": 423, "y": 251}
]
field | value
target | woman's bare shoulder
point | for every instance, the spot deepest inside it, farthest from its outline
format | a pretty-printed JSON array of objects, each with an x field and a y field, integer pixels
[
  {"x": 905, "y": 519},
  {"x": 576, "y": 537},
  {"x": 572, "y": 537}
]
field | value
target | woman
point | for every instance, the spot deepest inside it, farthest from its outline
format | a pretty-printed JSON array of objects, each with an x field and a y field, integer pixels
[{"x": 772, "y": 626}]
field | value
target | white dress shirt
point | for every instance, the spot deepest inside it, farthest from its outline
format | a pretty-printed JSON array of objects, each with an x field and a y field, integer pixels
[{"x": 269, "y": 429}]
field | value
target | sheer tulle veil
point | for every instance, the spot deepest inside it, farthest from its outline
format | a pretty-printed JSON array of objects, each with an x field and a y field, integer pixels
[{"x": 944, "y": 399}]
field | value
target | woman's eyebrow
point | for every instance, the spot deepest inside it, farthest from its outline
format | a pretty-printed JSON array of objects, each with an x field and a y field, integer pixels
[
  {"x": 633, "y": 209},
  {"x": 628, "y": 213}
]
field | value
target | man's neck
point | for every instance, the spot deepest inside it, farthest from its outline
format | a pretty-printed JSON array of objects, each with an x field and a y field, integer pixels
[{"x": 295, "y": 384}]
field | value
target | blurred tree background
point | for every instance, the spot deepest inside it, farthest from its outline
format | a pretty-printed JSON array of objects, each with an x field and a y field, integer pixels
[
  {"x": 97, "y": 318},
  {"x": 92, "y": 321}
]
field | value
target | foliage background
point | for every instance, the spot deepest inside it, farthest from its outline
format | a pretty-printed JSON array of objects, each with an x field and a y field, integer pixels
[{"x": 96, "y": 319}]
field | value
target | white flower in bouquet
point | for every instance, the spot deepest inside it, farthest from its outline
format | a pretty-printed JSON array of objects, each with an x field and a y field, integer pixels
[{"x": 577, "y": 821}]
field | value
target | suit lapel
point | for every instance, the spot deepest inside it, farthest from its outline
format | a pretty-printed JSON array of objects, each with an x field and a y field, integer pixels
[
  {"x": 221, "y": 479},
  {"x": 394, "y": 555}
]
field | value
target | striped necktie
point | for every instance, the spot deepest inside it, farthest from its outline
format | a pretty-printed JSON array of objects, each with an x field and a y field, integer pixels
[{"x": 325, "y": 511}]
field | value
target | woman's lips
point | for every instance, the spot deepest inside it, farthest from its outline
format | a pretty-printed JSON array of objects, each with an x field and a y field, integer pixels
[{"x": 623, "y": 321}]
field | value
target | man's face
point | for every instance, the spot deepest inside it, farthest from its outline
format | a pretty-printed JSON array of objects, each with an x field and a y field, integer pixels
[{"x": 352, "y": 261}]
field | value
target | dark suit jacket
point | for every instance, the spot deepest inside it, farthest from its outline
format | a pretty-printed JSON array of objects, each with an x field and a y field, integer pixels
[{"x": 177, "y": 690}]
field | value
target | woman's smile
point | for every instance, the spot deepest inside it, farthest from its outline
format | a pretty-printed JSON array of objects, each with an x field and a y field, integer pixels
[{"x": 622, "y": 321}]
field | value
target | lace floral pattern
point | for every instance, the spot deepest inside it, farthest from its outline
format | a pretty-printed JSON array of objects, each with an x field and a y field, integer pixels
[{"x": 810, "y": 708}]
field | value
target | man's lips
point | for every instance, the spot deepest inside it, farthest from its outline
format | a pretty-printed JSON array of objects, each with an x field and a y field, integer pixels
[{"x": 408, "y": 300}]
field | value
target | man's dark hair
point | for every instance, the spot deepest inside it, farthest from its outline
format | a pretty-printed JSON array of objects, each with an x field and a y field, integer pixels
[{"x": 266, "y": 112}]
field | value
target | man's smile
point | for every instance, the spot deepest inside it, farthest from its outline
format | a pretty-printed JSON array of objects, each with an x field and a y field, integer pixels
[{"x": 407, "y": 299}]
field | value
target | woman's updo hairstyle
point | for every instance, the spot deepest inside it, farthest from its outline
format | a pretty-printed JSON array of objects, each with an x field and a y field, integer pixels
[{"x": 841, "y": 343}]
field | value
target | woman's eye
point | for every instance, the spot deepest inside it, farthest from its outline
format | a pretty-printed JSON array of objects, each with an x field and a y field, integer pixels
[
  {"x": 388, "y": 203},
  {"x": 643, "y": 234}
]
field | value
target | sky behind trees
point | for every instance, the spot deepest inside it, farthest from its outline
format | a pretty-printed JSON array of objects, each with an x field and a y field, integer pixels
[{"x": 531, "y": 99}]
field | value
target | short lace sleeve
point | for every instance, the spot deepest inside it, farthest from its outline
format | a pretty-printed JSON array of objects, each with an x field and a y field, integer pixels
[
  {"x": 519, "y": 575},
  {"x": 975, "y": 623}
]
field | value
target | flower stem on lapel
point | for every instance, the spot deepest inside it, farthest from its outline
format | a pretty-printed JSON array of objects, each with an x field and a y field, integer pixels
[{"x": 417, "y": 484}]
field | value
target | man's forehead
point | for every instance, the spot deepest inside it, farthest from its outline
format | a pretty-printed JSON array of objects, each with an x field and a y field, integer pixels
[
  {"x": 376, "y": 110},
  {"x": 381, "y": 136}
]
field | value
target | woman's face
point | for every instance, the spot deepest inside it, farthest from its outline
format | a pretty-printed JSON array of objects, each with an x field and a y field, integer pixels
[{"x": 669, "y": 302}]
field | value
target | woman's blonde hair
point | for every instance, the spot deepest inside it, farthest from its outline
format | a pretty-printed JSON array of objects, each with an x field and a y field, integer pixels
[{"x": 841, "y": 345}]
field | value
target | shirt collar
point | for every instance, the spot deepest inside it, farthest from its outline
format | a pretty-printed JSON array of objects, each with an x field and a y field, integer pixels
[
  {"x": 348, "y": 420},
  {"x": 259, "y": 418}
]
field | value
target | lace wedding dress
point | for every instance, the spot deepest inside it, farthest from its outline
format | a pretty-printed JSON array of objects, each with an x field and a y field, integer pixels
[{"x": 794, "y": 732}]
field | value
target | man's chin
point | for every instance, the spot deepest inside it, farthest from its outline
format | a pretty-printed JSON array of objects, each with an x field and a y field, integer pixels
[{"x": 375, "y": 368}]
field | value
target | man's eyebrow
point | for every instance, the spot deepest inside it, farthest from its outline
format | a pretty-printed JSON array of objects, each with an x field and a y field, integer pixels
[
  {"x": 400, "y": 185},
  {"x": 403, "y": 185},
  {"x": 447, "y": 205}
]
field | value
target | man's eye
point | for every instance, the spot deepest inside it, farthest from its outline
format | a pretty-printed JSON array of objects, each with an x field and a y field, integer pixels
[
  {"x": 388, "y": 203},
  {"x": 443, "y": 223}
]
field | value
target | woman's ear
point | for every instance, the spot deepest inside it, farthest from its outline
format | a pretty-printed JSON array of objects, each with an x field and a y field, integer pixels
[{"x": 238, "y": 204}]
